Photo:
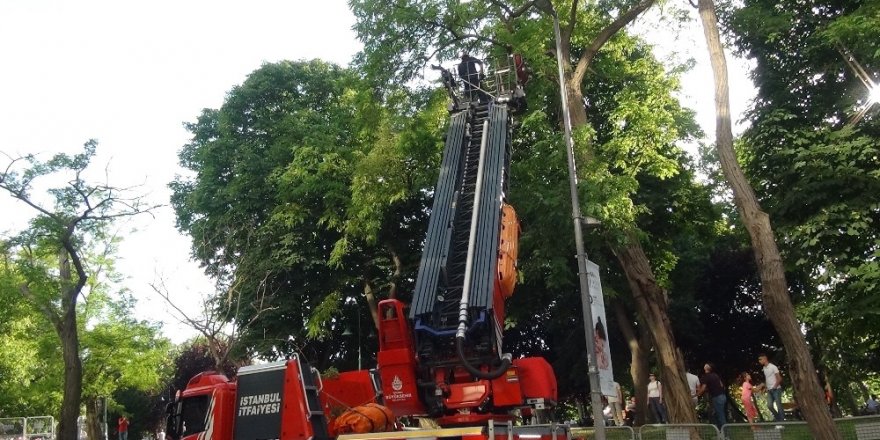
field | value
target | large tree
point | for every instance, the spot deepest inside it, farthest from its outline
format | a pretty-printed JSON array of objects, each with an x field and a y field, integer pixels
[
  {"x": 305, "y": 188},
  {"x": 50, "y": 254},
  {"x": 777, "y": 302},
  {"x": 116, "y": 351}
]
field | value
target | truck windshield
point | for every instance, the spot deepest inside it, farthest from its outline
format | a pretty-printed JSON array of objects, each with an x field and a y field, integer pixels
[{"x": 194, "y": 414}]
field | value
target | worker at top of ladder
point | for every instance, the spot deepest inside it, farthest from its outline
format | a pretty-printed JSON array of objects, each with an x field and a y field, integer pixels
[{"x": 471, "y": 76}]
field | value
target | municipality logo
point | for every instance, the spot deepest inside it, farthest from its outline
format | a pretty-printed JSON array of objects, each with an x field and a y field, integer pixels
[{"x": 396, "y": 384}]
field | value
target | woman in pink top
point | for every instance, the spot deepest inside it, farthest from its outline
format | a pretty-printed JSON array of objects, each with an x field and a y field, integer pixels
[{"x": 751, "y": 411}]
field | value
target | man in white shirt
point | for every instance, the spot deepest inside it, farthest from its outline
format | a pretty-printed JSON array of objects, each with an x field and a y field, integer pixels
[
  {"x": 773, "y": 383},
  {"x": 693, "y": 383}
]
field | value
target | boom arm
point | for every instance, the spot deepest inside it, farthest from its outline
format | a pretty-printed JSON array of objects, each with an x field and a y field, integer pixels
[{"x": 466, "y": 272}]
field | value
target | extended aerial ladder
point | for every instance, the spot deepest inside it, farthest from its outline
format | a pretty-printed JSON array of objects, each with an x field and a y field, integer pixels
[{"x": 466, "y": 272}]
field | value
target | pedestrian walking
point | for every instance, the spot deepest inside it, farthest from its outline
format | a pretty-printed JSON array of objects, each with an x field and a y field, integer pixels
[
  {"x": 693, "y": 384},
  {"x": 711, "y": 383},
  {"x": 630, "y": 418},
  {"x": 748, "y": 405},
  {"x": 773, "y": 384},
  {"x": 655, "y": 399},
  {"x": 122, "y": 427}
]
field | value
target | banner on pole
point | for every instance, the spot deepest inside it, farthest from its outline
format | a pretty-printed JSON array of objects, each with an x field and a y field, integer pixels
[{"x": 600, "y": 331}]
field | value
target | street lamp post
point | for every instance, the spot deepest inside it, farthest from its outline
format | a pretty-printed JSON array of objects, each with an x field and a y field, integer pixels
[
  {"x": 593, "y": 371},
  {"x": 104, "y": 409},
  {"x": 347, "y": 332}
]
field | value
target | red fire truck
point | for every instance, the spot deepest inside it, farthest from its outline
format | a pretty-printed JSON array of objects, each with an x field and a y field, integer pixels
[{"x": 440, "y": 357}]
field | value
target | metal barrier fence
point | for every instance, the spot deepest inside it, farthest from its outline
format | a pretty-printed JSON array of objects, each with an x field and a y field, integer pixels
[
  {"x": 27, "y": 428},
  {"x": 12, "y": 428},
  {"x": 851, "y": 428},
  {"x": 697, "y": 431},
  {"x": 611, "y": 433},
  {"x": 860, "y": 428},
  {"x": 39, "y": 428},
  {"x": 767, "y": 431}
]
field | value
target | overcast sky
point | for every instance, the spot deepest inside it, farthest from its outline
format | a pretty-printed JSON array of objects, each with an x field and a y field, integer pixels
[{"x": 130, "y": 73}]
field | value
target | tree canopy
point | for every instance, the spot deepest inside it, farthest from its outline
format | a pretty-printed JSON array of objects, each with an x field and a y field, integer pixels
[
  {"x": 60, "y": 267},
  {"x": 306, "y": 188}
]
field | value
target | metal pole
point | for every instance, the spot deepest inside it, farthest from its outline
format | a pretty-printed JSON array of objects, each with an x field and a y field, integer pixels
[
  {"x": 360, "y": 363},
  {"x": 104, "y": 410},
  {"x": 464, "y": 304},
  {"x": 593, "y": 371}
]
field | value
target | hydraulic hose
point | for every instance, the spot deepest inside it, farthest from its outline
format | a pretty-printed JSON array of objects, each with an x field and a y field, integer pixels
[{"x": 493, "y": 374}]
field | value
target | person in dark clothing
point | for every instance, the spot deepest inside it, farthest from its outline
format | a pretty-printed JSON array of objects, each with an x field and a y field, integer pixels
[
  {"x": 629, "y": 418},
  {"x": 711, "y": 383},
  {"x": 470, "y": 75}
]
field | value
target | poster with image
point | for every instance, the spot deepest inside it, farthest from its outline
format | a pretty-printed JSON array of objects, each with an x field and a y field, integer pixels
[{"x": 600, "y": 331}]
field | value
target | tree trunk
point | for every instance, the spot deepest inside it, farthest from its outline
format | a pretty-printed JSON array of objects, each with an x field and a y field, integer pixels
[
  {"x": 774, "y": 287},
  {"x": 67, "y": 332},
  {"x": 650, "y": 301},
  {"x": 94, "y": 425},
  {"x": 372, "y": 302},
  {"x": 395, "y": 276},
  {"x": 638, "y": 367},
  {"x": 577, "y": 111}
]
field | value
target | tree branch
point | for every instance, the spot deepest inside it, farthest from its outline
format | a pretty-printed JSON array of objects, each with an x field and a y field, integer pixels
[
  {"x": 50, "y": 313},
  {"x": 220, "y": 342},
  {"x": 572, "y": 20},
  {"x": 398, "y": 271},
  {"x": 73, "y": 253},
  {"x": 605, "y": 35},
  {"x": 373, "y": 305},
  {"x": 506, "y": 11},
  {"x": 203, "y": 328},
  {"x": 507, "y": 15},
  {"x": 521, "y": 10},
  {"x": 458, "y": 36},
  {"x": 20, "y": 194}
]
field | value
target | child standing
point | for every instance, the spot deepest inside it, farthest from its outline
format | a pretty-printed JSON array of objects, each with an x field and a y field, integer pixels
[{"x": 751, "y": 411}]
